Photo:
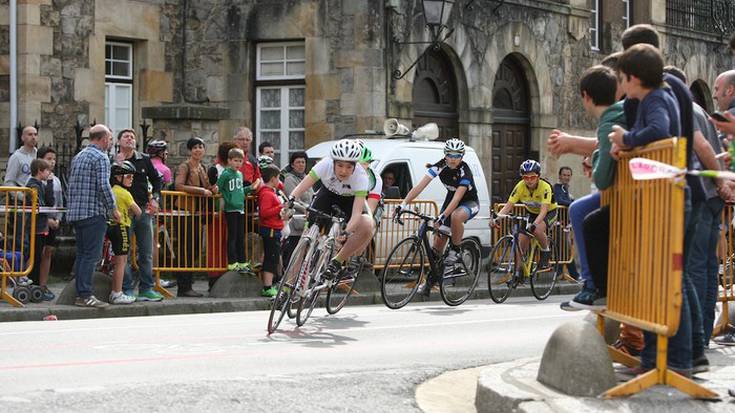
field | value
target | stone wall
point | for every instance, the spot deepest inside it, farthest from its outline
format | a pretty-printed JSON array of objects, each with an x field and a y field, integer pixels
[{"x": 4, "y": 78}]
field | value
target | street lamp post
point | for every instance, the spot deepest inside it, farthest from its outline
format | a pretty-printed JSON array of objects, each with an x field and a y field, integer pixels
[{"x": 436, "y": 15}]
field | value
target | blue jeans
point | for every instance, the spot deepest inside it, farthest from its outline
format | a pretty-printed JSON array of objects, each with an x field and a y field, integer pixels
[
  {"x": 703, "y": 264},
  {"x": 684, "y": 342},
  {"x": 142, "y": 227},
  {"x": 89, "y": 234},
  {"x": 579, "y": 209}
]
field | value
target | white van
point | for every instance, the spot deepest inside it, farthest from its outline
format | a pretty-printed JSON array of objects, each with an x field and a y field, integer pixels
[{"x": 408, "y": 161}]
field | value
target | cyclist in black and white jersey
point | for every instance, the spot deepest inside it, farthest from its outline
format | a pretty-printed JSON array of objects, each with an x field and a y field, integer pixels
[
  {"x": 461, "y": 203},
  {"x": 345, "y": 185}
]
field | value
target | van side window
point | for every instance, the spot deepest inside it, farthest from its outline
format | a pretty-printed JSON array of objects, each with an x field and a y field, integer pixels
[{"x": 401, "y": 177}]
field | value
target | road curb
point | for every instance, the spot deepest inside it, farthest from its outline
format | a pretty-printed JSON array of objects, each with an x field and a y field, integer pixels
[
  {"x": 512, "y": 387},
  {"x": 369, "y": 294}
]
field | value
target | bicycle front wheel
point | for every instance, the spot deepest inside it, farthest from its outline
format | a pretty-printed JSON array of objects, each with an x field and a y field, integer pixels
[
  {"x": 284, "y": 296},
  {"x": 308, "y": 302},
  {"x": 459, "y": 285},
  {"x": 543, "y": 280},
  {"x": 500, "y": 269},
  {"x": 402, "y": 272}
]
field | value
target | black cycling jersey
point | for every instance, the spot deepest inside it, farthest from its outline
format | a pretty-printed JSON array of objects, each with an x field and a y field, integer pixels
[{"x": 452, "y": 179}]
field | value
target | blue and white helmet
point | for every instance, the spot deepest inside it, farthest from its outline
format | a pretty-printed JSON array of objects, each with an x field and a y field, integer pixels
[
  {"x": 346, "y": 150},
  {"x": 530, "y": 166}
]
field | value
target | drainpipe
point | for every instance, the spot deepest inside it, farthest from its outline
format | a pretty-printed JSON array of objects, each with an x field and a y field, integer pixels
[{"x": 13, "y": 74}]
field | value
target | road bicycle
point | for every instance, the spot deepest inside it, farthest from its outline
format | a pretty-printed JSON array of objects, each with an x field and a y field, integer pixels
[
  {"x": 302, "y": 282},
  {"x": 501, "y": 269},
  {"x": 406, "y": 267},
  {"x": 338, "y": 289}
]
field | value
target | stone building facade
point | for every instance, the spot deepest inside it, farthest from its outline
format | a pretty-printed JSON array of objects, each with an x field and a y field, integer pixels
[{"x": 303, "y": 71}]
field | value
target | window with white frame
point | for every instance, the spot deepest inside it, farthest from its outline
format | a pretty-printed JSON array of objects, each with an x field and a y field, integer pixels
[
  {"x": 280, "y": 109},
  {"x": 595, "y": 24},
  {"x": 280, "y": 119},
  {"x": 628, "y": 12},
  {"x": 118, "y": 86},
  {"x": 280, "y": 61}
]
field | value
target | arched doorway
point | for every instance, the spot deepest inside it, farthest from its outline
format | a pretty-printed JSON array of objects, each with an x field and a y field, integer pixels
[
  {"x": 511, "y": 127},
  {"x": 435, "y": 94},
  {"x": 701, "y": 95}
]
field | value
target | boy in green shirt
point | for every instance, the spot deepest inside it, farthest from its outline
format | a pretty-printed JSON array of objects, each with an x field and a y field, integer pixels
[{"x": 230, "y": 184}]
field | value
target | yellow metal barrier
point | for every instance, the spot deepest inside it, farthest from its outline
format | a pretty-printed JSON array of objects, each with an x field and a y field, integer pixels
[
  {"x": 18, "y": 222},
  {"x": 391, "y": 233},
  {"x": 726, "y": 252},
  {"x": 560, "y": 232},
  {"x": 192, "y": 235},
  {"x": 646, "y": 262}
]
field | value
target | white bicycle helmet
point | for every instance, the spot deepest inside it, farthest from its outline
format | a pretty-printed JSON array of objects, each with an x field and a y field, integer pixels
[
  {"x": 454, "y": 145},
  {"x": 346, "y": 150}
]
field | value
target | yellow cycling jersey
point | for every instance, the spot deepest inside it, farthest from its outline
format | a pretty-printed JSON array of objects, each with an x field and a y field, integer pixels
[{"x": 543, "y": 194}]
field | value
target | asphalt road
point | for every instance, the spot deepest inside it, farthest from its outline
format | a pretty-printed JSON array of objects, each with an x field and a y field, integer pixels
[{"x": 364, "y": 359}]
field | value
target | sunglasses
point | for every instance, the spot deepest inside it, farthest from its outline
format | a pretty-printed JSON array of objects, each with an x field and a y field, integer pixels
[
  {"x": 530, "y": 177},
  {"x": 454, "y": 155},
  {"x": 126, "y": 176}
]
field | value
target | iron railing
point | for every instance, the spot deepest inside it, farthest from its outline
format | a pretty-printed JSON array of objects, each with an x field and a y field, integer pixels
[{"x": 708, "y": 16}]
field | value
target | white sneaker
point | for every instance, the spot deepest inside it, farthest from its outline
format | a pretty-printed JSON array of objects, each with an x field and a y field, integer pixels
[
  {"x": 121, "y": 298},
  {"x": 450, "y": 261}
]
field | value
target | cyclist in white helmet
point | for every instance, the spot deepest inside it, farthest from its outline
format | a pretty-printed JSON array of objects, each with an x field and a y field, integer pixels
[
  {"x": 460, "y": 205},
  {"x": 345, "y": 185}
]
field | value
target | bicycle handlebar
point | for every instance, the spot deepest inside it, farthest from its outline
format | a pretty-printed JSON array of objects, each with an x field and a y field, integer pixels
[{"x": 414, "y": 213}]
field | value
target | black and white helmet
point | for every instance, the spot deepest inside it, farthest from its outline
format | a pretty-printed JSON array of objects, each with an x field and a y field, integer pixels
[
  {"x": 454, "y": 145},
  {"x": 346, "y": 150}
]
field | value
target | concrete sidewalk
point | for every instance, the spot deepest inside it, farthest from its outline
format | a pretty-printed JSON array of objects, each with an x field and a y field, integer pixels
[
  {"x": 367, "y": 287},
  {"x": 512, "y": 387}
]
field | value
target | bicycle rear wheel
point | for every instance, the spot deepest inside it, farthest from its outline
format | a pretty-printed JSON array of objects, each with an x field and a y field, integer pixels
[
  {"x": 500, "y": 269},
  {"x": 314, "y": 289},
  {"x": 282, "y": 301},
  {"x": 458, "y": 286},
  {"x": 543, "y": 282},
  {"x": 339, "y": 293},
  {"x": 402, "y": 272}
]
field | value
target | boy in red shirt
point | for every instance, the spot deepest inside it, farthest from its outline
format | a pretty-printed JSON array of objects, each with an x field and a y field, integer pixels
[{"x": 271, "y": 224}]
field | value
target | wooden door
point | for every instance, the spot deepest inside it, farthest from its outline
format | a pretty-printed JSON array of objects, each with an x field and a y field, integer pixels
[
  {"x": 510, "y": 149},
  {"x": 435, "y": 94}
]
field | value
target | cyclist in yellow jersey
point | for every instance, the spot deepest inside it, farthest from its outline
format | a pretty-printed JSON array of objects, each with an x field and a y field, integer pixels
[{"x": 537, "y": 196}]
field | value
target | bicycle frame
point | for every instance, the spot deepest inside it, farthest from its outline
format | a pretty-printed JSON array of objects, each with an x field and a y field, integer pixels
[
  {"x": 431, "y": 255},
  {"x": 526, "y": 258}
]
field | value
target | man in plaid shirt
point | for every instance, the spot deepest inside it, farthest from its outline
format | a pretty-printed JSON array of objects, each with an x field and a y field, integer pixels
[{"x": 90, "y": 204}]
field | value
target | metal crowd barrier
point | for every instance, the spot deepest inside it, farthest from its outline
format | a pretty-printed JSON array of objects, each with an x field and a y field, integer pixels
[
  {"x": 646, "y": 263},
  {"x": 561, "y": 233},
  {"x": 18, "y": 209},
  {"x": 391, "y": 233},
  {"x": 192, "y": 235},
  {"x": 726, "y": 252}
]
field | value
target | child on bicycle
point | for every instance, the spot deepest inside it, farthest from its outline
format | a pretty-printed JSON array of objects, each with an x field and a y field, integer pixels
[
  {"x": 118, "y": 232},
  {"x": 460, "y": 205},
  {"x": 344, "y": 185},
  {"x": 537, "y": 196}
]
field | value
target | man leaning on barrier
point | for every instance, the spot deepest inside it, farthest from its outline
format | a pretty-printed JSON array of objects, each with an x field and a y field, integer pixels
[
  {"x": 141, "y": 225},
  {"x": 19, "y": 164}
]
